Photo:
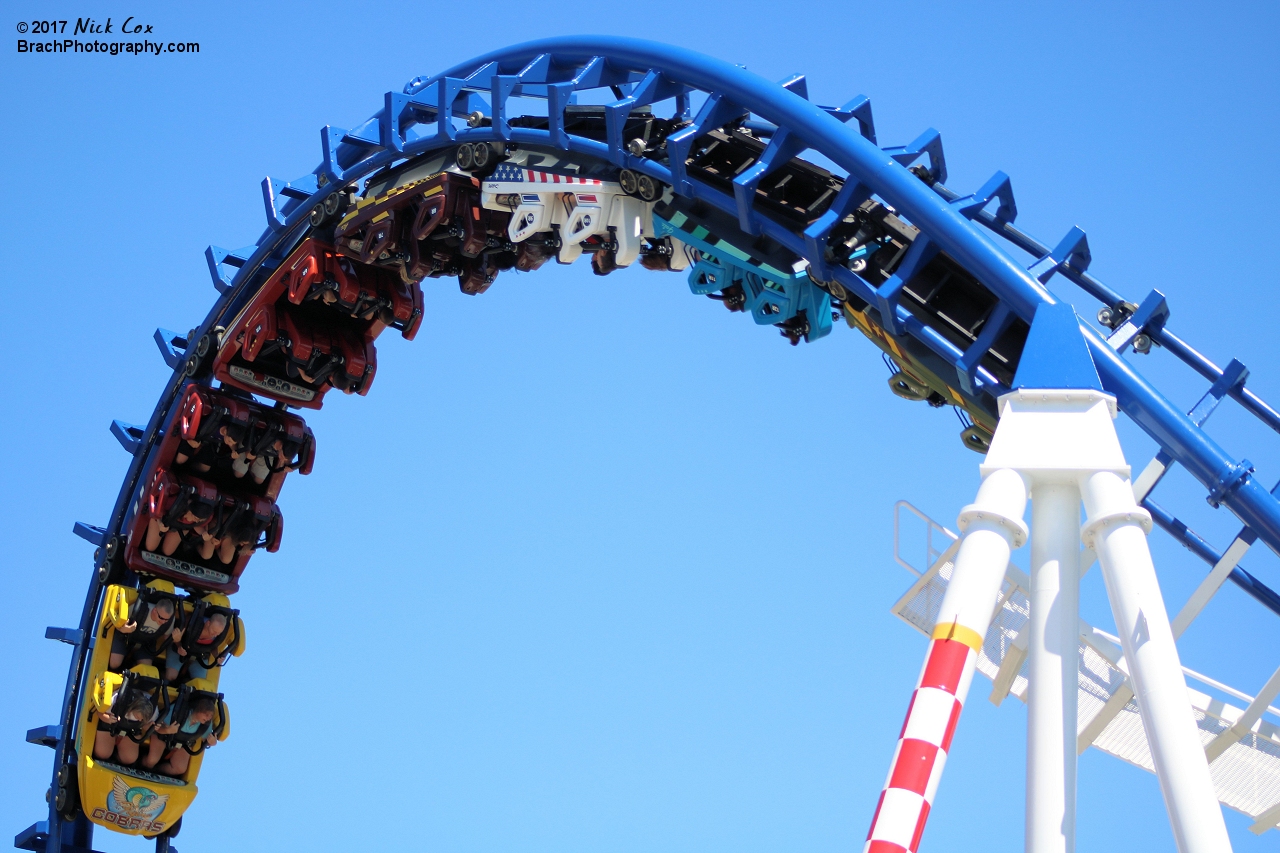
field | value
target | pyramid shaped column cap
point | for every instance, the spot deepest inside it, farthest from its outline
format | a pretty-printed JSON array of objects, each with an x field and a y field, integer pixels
[{"x": 1055, "y": 355}]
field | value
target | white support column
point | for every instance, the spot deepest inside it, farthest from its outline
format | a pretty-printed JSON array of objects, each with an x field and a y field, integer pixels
[
  {"x": 1056, "y": 432},
  {"x": 1053, "y": 658},
  {"x": 1207, "y": 590},
  {"x": 992, "y": 526},
  {"x": 1117, "y": 528},
  {"x": 1067, "y": 435}
]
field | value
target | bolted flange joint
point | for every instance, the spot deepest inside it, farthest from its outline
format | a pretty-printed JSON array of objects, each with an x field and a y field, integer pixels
[
  {"x": 1091, "y": 528},
  {"x": 1229, "y": 479},
  {"x": 1015, "y": 529}
]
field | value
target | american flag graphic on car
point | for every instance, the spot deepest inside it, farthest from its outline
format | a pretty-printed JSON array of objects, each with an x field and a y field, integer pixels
[{"x": 510, "y": 173}]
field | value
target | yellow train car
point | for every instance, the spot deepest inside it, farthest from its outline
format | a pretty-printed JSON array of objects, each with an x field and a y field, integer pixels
[
  {"x": 915, "y": 381},
  {"x": 132, "y": 799}
]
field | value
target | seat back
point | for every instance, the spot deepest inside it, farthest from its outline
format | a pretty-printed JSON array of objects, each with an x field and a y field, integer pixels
[
  {"x": 204, "y": 411},
  {"x": 298, "y": 333},
  {"x": 259, "y": 331},
  {"x": 431, "y": 212},
  {"x": 304, "y": 270},
  {"x": 343, "y": 272}
]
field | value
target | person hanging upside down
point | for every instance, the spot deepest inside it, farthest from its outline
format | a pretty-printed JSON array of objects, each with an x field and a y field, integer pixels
[
  {"x": 239, "y": 535},
  {"x": 203, "y": 455},
  {"x": 167, "y": 537},
  {"x": 144, "y": 640},
  {"x": 136, "y": 714},
  {"x": 175, "y": 740},
  {"x": 190, "y": 652},
  {"x": 271, "y": 459},
  {"x": 209, "y": 539}
]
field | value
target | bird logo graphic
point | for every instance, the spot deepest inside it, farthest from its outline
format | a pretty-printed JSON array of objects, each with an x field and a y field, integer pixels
[{"x": 136, "y": 801}]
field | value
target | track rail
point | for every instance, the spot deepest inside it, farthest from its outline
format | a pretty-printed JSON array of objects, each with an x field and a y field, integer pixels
[{"x": 428, "y": 115}]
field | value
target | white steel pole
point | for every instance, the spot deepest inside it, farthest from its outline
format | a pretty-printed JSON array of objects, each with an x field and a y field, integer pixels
[
  {"x": 992, "y": 527},
  {"x": 1053, "y": 658},
  {"x": 1116, "y": 528}
]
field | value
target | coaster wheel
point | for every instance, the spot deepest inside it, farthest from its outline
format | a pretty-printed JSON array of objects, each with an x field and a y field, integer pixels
[
  {"x": 648, "y": 189},
  {"x": 108, "y": 571},
  {"x": 629, "y": 181},
  {"x": 465, "y": 157},
  {"x": 66, "y": 795}
]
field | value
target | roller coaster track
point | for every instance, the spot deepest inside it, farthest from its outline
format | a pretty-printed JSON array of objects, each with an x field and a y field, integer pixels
[{"x": 430, "y": 114}]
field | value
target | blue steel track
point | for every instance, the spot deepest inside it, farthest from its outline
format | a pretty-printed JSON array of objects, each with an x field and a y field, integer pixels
[{"x": 425, "y": 116}]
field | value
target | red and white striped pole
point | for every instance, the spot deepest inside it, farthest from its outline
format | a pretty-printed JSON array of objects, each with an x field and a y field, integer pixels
[{"x": 992, "y": 528}]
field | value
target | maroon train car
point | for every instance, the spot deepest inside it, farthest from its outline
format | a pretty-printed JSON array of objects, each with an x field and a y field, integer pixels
[
  {"x": 221, "y": 438},
  {"x": 433, "y": 227},
  {"x": 312, "y": 325},
  {"x": 375, "y": 297},
  {"x": 190, "y": 508}
]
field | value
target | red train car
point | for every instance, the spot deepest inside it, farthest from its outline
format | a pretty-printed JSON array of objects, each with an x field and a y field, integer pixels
[
  {"x": 236, "y": 443},
  {"x": 312, "y": 325},
  {"x": 432, "y": 226},
  {"x": 190, "y": 532}
]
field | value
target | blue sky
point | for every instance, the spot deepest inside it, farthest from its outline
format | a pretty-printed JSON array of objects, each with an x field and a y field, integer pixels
[{"x": 598, "y": 566}]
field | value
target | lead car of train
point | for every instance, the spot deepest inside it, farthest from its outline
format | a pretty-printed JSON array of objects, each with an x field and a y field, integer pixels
[{"x": 149, "y": 708}]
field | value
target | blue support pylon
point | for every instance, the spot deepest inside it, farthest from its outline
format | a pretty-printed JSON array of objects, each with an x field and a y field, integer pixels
[{"x": 1056, "y": 355}]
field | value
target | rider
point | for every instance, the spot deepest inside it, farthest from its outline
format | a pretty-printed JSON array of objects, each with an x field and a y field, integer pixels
[
  {"x": 203, "y": 453},
  {"x": 122, "y": 729},
  {"x": 147, "y": 633},
  {"x": 200, "y": 652},
  {"x": 178, "y": 740},
  {"x": 270, "y": 458},
  {"x": 167, "y": 535},
  {"x": 236, "y": 534}
]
